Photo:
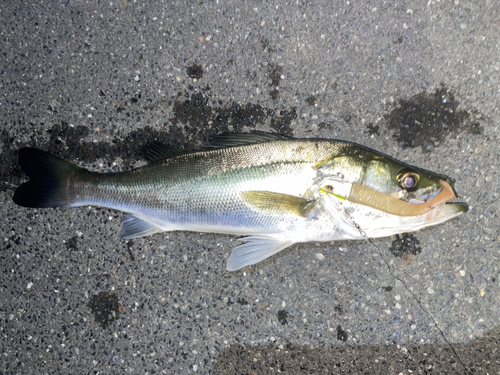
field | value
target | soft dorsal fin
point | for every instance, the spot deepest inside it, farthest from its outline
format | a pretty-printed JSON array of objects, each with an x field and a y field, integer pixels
[
  {"x": 243, "y": 139},
  {"x": 158, "y": 151},
  {"x": 279, "y": 203}
]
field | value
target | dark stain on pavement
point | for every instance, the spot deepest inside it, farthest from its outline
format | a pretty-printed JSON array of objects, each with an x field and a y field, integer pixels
[
  {"x": 198, "y": 114},
  {"x": 195, "y": 71},
  {"x": 372, "y": 130},
  {"x": 242, "y": 301},
  {"x": 405, "y": 245},
  {"x": 283, "y": 317},
  {"x": 72, "y": 244},
  {"x": 105, "y": 308},
  {"x": 282, "y": 123},
  {"x": 341, "y": 334},
  {"x": 196, "y": 117},
  {"x": 427, "y": 119},
  {"x": 339, "y": 309},
  {"x": 311, "y": 100},
  {"x": 273, "y": 73},
  {"x": 248, "y": 115}
]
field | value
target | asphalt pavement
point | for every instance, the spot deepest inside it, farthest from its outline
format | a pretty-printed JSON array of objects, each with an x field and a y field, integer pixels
[{"x": 95, "y": 82}]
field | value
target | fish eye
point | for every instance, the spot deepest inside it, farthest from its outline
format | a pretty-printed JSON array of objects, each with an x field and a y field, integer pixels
[
  {"x": 408, "y": 180},
  {"x": 328, "y": 188}
]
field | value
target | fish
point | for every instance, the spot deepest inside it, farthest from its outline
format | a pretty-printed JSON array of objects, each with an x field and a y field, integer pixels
[{"x": 274, "y": 190}]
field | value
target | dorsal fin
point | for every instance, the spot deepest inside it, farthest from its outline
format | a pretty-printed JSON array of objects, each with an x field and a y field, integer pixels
[
  {"x": 243, "y": 139},
  {"x": 158, "y": 151}
]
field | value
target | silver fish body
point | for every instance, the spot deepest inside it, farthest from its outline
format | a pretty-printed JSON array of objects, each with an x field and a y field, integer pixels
[{"x": 274, "y": 190}]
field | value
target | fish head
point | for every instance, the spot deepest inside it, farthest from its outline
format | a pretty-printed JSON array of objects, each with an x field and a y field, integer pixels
[{"x": 384, "y": 196}]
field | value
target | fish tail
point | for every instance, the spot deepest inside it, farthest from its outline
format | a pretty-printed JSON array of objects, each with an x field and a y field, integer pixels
[{"x": 48, "y": 179}]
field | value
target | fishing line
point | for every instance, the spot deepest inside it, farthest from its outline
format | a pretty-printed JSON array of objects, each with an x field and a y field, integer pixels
[
  {"x": 351, "y": 219},
  {"x": 418, "y": 302}
]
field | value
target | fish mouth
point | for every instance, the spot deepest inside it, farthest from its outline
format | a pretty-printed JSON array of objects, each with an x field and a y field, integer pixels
[
  {"x": 453, "y": 208},
  {"x": 447, "y": 202},
  {"x": 447, "y": 208},
  {"x": 451, "y": 205}
]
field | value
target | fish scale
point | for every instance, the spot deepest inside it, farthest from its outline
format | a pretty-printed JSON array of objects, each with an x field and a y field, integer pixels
[{"x": 203, "y": 188}]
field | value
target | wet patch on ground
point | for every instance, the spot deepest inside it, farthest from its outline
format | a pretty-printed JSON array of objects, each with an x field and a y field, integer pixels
[
  {"x": 312, "y": 100},
  {"x": 372, "y": 130},
  {"x": 283, "y": 317},
  {"x": 196, "y": 112},
  {"x": 339, "y": 309},
  {"x": 72, "y": 243},
  {"x": 242, "y": 301},
  {"x": 273, "y": 73},
  {"x": 427, "y": 119},
  {"x": 105, "y": 308},
  {"x": 196, "y": 116},
  {"x": 341, "y": 334},
  {"x": 195, "y": 71},
  {"x": 202, "y": 115},
  {"x": 405, "y": 246},
  {"x": 281, "y": 124}
]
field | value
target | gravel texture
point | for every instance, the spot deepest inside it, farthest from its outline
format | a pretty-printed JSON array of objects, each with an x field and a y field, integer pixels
[{"x": 94, "y": 82}]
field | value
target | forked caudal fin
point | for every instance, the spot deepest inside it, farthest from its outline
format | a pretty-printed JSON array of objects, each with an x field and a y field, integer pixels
[{"x": 48, "y": 175}]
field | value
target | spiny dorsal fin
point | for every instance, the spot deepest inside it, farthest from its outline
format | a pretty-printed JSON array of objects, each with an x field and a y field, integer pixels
[
  {"x": 243, "y": 139},
  {"x": 158, "y": 151},
  {"x": 279, "y": 203}
]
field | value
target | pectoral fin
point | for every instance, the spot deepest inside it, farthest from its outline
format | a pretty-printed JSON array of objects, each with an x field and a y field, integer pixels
[
  {"x": 279, "y": 203},
  {"x": 133, "y": 227},
  {"x": 256, "y": 249}
]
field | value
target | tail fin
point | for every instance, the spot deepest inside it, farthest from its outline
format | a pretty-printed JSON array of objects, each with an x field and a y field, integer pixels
[{"x": 48, "y": 174}]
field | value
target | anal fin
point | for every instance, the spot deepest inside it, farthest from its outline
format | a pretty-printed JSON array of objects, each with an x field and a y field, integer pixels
[
  {"x": 256, "y": 249},
  {"x": 133, "y": 227}
]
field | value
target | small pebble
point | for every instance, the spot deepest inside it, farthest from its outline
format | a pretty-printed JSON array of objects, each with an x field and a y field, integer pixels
[{"x": 320, "y": 257}]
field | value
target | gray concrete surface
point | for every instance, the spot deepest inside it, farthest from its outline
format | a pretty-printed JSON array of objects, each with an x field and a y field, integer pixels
[{"x": 95, "y": 81}]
